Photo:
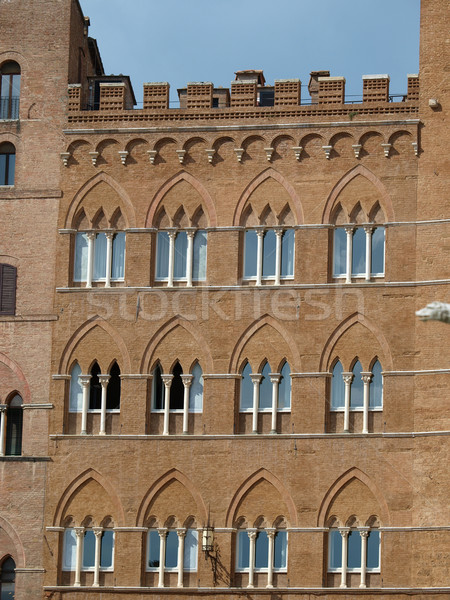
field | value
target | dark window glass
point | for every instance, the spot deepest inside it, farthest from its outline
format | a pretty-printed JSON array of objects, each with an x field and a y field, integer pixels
[
  {"x": 357, "y": 389},
  {"x": 269, "y": 253},
  {"x": 261, "y": 550},
  {"x": 279, "y": 555},
  {"x": 158, "y": 389},
  {"x": 9, "y": 90},
  {"x": 359, "y": 252},
  {"x": 153, "y": 549},
  {"x": 377, "y": 265},
  {"x": 106, "y": 551},
  {"x": 113, "y": 389},
  {"x": 171, "y": 550},
  {"x": 243, "y": 550},
  {"x": 8, "y": 275},
  {"x": 246, "y": 388},
  {"x": 335, "y": 549},
  {"x": 7, "y": 578},
  {"x": 354, "y": 550},
  {"x": 340, "y": 252},
  {"x": 14, "y": 421},
  {"x": 250, "y": 253},
  {"x": 7, "y": 164},
  {"x": 265, "y": 388},
  {"x": 373, "y": 549},
  {"x": 95, "y": 389},
  {"x": 89, "y": 549},
  {"x": 177, "y": 388}
]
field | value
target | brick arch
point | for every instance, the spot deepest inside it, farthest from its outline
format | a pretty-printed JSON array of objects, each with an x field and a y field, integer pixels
[
  {"x": 95, "y": 321},
  {"x": 26, "y": 395},
  {"x": 338, "y": 485},
  {"x": 19, "y": 558},
  {"x": 87, "y": 187},
  {"x": 252, "y": 329},
  {"x": 269, "y": 173},
  {"x": 385, "y": 203},
  {"x": 167, "y": 328},
  {"x": 345, "y": 326},
  {"x": 171, "y": 475},
  {"x": 259, "y": 475},
  {"x": 73, "y": 487},
  {"x": 182, "y": 176}
]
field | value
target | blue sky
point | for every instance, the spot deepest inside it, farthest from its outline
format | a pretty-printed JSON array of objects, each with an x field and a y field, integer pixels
[{"x": 208, "y": 40}]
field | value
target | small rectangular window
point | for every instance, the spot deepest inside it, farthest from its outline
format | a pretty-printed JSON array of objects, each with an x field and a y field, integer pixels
[{"x": 8, "y": 276}]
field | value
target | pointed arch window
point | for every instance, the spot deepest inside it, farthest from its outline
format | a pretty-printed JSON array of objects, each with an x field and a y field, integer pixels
[
  {"x": 358, "y": 252},
  {"x": 354, "y": 550},
  {"x": 7, "y": 579},
  {"x": 11, "y": 426},
  {"x": 177, "y": 547},
  {"x": 99, "y": 257},
  {"x": 9, "y": 90},
  {"x": 261, "y": 551},
  {"x": 181, "y": 255},
  {"x": 89, "y": 558},
  {"x": 356, "y": 390},
  {"x": 7, "y": 164},
  {"x": 269, "y": 254}
]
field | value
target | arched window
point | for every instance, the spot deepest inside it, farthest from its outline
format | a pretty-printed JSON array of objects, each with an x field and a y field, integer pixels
[
  {"x": 181, "y": 256},
  {"x": 99, "y": 257},
  {"x": 95, "y": 388},
  {"x": 7, "y": 579},
  {"x": 347, "y": 548},
  {"x": 265, "y": 389},
  {"x": 171, "y": 539},
  {"x": 358, "y": 243},
  {"x": 266, "y": 543},
  {"x": 177, "y": 388},
  {"x": 196, "y": 389},
  {"x": 269, "y": 254},
  {"x": 7, "y": 163},
  {"x": 14, "y": 421},
  {"x": 76, "y": 391},
  {"x": 246, "y": 389},
  {"x": 376, "y": 386},
  {"x": 90, "y": 559},
  {"x": 9, "y": 91},
  {"x": 113, "y": 389}
]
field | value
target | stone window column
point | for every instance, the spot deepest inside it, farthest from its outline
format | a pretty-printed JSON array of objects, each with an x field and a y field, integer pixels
[
  {"x": 368, "y": 231},
  {"x": 364, "y": 533},
  {"x": 167, "y": 380},
  {"x": 366, "y": 378},
  {"x": 109, "y": 248},
  {"x": 279, "y": 236},
  {"x": 344, "y": 531},
  {"x": 172, "y": 236},
  {"x": 98, "y": 532},
  {"x": 90, "y": 258},
  {"x": 104, "y": 383},
  {"x": 252, "y": 533},
  {"x": 85, "y": 384},
  {"x": 3, "y": 408},
  {"x": 275, "y": 379},
  {"x": 190, "y": 233},
  {"x": 187, "y": 380},
  {"x": 79, "y": 532},
  {"x": 259, "y": 256},
  {"x": 271, "y": 537},
  {"x": 348, "y": 378},
  {"x": 162, "y": 555},
  {"x": 256, "y": 380},
  {"x": 348, "y": 270},
  {"x": 181, "y": 533}
]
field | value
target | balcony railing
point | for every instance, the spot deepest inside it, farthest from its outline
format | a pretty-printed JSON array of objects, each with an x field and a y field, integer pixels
[{"x": 9, "y": 108}]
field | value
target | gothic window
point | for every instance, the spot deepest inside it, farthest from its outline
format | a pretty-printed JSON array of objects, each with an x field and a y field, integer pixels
[
  {"x": 7, "y": 579},
  {"x": 88, "y": 538},
  {"x": 358, "y": 252},
  {"x": 99, "y": 257},
  {"x": 261, "y": 551},
  {"x": 269, "y": 254},
  {"x": 356, "y": 390},
  {"x": 181, "y": 256},
  {"x": 166, "y": 543},
  {"x": 8, "y": 276},
  {"x": 265, "y": 392},
  {"x": 12, "y": 424},
  {"x": 352, "y": 550},
  {"x": 9, "y": 90},
  {"x": 7, "y": 163}
]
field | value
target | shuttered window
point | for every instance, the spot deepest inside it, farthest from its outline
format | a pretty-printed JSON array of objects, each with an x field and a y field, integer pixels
[{"x": 8, "y": 275}]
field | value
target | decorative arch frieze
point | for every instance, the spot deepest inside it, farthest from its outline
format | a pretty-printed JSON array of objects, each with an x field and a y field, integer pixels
[
  {"x": 338, "y": 485},
  {"x": 71, "y": 489},
  {"x": 14, "y": 367},
  {"x": 355, "y": 172},
  {"x": 200, "y": 188},
  {"x": 244, "y": 488},
  {"x": 95, "y": 321},
  {"x": 159, "y": 484},
  {"x": 345, "y": 326},
  {"x": 88, "y": 186},
  {"x": 267, "y": 174}
]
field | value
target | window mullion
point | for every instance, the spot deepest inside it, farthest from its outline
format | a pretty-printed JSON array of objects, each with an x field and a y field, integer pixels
[
  {"x": 364, "y": 533},
  {"x": 187, "y": 381},
  {"x": 190, "y": 257},
  {"x": 279, "y": 236},
  {"x": 366, "y": 378},
  {"x": 98, "y": 531},
  {"x": 275, "y": 379},
  {"x": 348, "y": 378},
  {"x": 104, "y": 379},
  {"x": 162, "y": 555},
  {"x": 109, "y": 245},
  {"x": 79, "y": 533},
  {"x": 259, "y": 256},
  {"x": 344, "y": 531},
  {"x": 3, "y": 408},
  {"x": 368, "y": 231},
  {"x": 252, "y": 533},
  {"x": 172, "y": 236},
  {"x": 256, "y": 380},
  {"x": 85, "y": 384},
  {"x": 349, "y": 257},
  {"x": 167, "y": 380},
  {"x": 181, "y": 533},
  {"x": 90, "y": 260},
  {"x": 271, "y": 538}
]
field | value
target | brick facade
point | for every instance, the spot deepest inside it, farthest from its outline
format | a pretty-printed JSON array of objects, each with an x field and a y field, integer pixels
[{"x": 174, "y": 189}]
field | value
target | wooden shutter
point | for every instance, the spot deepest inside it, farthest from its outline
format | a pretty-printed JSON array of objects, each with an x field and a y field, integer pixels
[{"x": 8, "y": 275}]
